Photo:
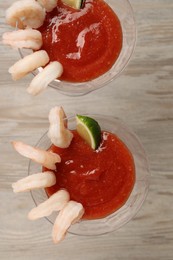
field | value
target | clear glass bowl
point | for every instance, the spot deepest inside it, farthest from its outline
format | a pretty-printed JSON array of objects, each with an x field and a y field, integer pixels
[
  {"x": 124, "y": 11},
  {"x": 137, "y": 197}
]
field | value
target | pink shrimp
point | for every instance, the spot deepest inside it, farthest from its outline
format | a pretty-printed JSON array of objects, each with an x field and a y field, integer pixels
[
  {"x": 52, "y": 71},
  {"x": 35, "y": 181},
  {"x": 58, "y": 133},
  {"x": 28, "y": 64},
  {"x": 46, "y": 158},
  {"x": 28, "y": 38},
  {"x": 54, "y": 203},
  {"x": 25, "y": 13},
  {"x": 69, "y": 215}
]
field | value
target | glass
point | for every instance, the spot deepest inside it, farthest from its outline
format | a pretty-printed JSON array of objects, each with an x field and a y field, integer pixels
[
  {"x": 124, "y": 11},
  {"x": 137, "y": 197}
]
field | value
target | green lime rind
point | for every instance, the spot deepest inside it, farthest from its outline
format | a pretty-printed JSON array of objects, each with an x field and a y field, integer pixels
[
  {"x": 89, "y": 129},
  {"x": 77, "y": 4}
]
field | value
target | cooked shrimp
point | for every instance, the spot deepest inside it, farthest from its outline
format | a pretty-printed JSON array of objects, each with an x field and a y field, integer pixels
[
  {"x": 48, "y": 5},
  {"x": 55, "y": 203},
  {"x": 29, "y": 39},
  {"x": 25, "y": 13},
  {"x": 58, "y": 133},
  {"x": 35, "y": 181},
  {"x": 70, "y": 214},
  {"x": 46, "y": 158},
  {"x": 28, "y": 64},
  {"x": 41, "y": 81}
]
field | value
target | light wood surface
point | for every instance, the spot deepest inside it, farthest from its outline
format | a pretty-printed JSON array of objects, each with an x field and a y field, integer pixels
[{"x": 143, "y": 98}]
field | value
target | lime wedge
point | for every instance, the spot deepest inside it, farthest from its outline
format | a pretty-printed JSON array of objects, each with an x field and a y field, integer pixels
[
  {"x": 89, "y": 130},
  {"x": 76, "y": 4}
]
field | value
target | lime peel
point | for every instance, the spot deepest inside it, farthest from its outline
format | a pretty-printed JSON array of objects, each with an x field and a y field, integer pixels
[
  {"x": 89, "y": 129},
  {"x": 76, "y": 4}
]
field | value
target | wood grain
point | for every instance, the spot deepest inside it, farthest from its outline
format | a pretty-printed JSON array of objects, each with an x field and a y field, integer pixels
[{"x": 143, "y": 98}]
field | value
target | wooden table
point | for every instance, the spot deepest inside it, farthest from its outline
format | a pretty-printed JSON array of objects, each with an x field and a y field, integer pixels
[{"x": 143, "y": 98}]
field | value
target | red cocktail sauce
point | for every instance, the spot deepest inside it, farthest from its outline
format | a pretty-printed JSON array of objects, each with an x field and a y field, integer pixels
[
  {"x": 87, "y": 41},
  {"x": 101, "y": 180}
]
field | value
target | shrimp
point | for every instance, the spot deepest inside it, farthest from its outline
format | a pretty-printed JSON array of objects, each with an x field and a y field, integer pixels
[
  {"x": 35, "y": 181},
  {"x": 58, "y": 133},
  {"x": 46, "y": 158},
  {"x": 41, "y": 81},
  {"x": 70, "y": 214},
  {"x": 55, "y": 203},
  {"x": 25, "y": 13},
  {"x": 28, "y": 64},
  {"x": 29, "y": 39},
  {"x": 48, "y": 5}
]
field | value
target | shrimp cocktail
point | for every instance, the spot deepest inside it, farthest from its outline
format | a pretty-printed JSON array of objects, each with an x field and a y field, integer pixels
[
  {"x": 91, "y": 171},
  {"x": 77, "y": 46}
]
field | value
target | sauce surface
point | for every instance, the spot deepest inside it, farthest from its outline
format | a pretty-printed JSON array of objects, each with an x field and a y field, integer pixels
[
  {"x": 87, "y": 42},
  {"x": 101, "y": 180}
]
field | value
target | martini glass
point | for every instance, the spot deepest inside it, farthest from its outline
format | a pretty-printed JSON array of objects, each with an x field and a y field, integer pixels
[
  {"x": 137, "y": 197},
  {"x": 124, "y": 11}
]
